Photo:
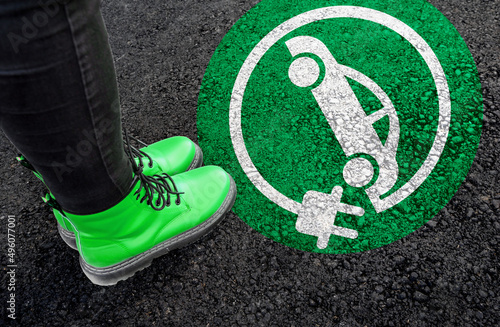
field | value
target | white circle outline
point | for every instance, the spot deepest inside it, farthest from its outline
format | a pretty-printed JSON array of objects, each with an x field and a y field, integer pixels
[{"x": 328, "y": 13}]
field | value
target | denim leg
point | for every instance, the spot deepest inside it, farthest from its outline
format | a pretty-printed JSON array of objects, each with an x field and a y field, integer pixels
[{"x": 59, "y": 101}]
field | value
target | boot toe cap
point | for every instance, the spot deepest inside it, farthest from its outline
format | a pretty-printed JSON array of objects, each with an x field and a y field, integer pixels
[
  {"x": 173, "y": 155},
  {"x": 206, "y": 189}
]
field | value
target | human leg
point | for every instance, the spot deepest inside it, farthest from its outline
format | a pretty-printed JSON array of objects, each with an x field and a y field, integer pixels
[{"x": 59, "y": 101}]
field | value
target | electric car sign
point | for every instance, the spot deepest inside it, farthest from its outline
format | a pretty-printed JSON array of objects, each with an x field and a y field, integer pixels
[{"x": 347, "y": 125}]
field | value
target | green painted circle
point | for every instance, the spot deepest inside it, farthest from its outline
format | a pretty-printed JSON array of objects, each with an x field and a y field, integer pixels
[{"x": 291, "y": 143}]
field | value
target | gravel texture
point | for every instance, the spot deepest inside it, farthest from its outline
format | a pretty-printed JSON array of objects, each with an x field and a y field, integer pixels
[{"x": 444, "y": 274}]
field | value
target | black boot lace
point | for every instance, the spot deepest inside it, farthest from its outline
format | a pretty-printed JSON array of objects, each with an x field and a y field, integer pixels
[
  {"x": 141, "y": 155},
  {"x": 161, "y": 184}
]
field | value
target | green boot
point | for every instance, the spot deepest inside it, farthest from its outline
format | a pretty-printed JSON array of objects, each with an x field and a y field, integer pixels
[
  {"x": 160, "y": 214},
  {"x": 171, "y": 156}
]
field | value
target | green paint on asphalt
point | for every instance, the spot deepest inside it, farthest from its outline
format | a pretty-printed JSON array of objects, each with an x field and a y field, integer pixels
[{"x": 291, "y": 143}]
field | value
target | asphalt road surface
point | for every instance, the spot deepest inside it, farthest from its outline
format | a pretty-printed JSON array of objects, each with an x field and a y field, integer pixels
[{"x": 444, "y": 274}]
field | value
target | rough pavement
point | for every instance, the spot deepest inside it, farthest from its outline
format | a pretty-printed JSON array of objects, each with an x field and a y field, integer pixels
[{"x": 444, "y": 274}]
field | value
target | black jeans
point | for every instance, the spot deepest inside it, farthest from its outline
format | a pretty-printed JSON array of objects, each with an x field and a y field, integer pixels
[{"x": 59, "y": 100}]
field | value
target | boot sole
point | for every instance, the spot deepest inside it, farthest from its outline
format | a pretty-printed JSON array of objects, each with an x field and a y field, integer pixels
[
  {"x": 198, "y": 158},
  {"x": 113, "y": 274},
  {"x": 69, "y": 237}
]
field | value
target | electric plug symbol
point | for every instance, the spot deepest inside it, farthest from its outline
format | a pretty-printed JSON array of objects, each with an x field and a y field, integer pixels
[{"x": 318, "y": 212}]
